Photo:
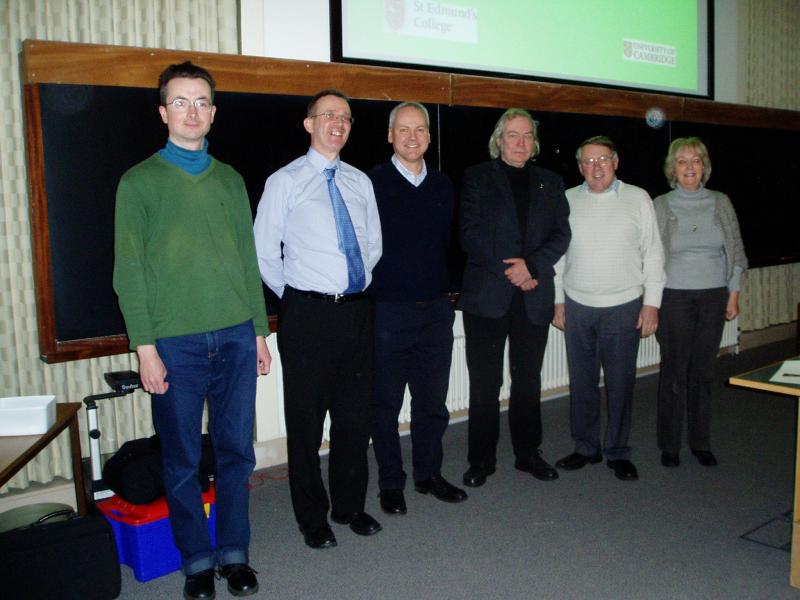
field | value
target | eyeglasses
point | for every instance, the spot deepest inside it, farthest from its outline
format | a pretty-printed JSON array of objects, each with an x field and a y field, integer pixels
[
  {"x": 183, "y": 104},
  {"x": 599, "y": 160},
  {"x": 329, "y": 115}
]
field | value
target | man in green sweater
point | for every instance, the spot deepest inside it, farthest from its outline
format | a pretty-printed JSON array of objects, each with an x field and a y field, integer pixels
[{"x": 189, "y": 289}]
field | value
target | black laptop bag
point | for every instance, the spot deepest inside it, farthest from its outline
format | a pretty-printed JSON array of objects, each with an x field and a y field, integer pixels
[{"x": 73, "y": 559}]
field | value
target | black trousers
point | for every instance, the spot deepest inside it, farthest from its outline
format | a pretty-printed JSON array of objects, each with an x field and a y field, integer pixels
[
  {"x": 485, "y": 343},
  {"x": 414, "y": 346},
  {"x": 689, "y": 332},
  {"x": 326, "y": 356}
]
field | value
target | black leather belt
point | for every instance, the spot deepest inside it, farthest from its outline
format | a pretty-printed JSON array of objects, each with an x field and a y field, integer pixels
[{"x": 336, "y": 298}]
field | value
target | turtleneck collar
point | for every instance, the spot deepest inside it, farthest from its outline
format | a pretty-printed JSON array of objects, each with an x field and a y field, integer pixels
[
  {"x": 193, "y": 162},
  {"x": 697, "y": 194}
]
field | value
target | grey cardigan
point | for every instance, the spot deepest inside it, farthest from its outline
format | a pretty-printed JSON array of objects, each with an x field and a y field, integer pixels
[{"x": 724, "y": 218}]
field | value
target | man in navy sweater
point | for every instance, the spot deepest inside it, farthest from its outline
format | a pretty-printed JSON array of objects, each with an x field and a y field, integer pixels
[{"x": 413, "y": 315}]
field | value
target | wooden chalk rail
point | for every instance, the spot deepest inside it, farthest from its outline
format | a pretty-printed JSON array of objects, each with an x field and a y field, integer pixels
[{"x": 95, "y": 64}]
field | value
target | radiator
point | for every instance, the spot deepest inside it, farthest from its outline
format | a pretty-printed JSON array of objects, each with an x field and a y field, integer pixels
[{"x": 554, "y": 367}]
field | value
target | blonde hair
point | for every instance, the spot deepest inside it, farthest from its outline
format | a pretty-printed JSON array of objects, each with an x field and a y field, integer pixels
[{"x": 696, "y": 144}]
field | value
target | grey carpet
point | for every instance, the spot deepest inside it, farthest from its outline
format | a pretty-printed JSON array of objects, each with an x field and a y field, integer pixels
[{"x": 685, "y": 533}]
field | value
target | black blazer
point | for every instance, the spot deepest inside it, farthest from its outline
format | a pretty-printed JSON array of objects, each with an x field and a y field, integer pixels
[{"x": 490, "y": 232}]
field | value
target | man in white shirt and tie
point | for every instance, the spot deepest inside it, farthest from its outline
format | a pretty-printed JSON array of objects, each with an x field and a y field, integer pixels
[{"x": 318, "y": 237}]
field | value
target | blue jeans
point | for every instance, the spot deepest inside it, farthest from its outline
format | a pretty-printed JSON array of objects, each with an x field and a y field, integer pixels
[{"x": 219, "y": 366}]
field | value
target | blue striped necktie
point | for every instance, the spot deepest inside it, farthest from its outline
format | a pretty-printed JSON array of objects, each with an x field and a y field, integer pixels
[{"x": 346, "y": 235}]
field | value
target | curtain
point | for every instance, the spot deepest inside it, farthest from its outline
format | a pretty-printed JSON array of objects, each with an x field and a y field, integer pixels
[
  {"x": 770, "y": 296},
  {"x": 771, "y": 53},
  {"x": 198, "y": 25},
  {"x": 770, "y": 69}
]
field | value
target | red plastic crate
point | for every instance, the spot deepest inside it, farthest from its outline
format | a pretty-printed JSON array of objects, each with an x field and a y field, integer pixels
[{"x": 144, "y": 537}]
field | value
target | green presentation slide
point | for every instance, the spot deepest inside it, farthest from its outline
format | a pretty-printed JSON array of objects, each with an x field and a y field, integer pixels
[{"x": 650, "y": 44}]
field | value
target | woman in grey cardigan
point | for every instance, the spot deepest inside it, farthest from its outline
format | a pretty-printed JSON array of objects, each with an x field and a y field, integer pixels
[{"x": 704, "y": 263}]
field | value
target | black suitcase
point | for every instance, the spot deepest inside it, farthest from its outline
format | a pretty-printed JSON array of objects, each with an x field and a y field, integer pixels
[{"x": 74, "y": 559}]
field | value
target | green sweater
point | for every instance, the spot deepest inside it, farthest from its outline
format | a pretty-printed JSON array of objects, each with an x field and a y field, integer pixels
[{"x": 185, "y": 259}]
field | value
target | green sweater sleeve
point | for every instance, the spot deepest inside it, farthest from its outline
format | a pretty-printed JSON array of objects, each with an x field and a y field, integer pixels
[{"x": 129, "y": 262}]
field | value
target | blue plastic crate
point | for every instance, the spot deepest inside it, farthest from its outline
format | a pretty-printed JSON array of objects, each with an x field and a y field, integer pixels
[{"x": 144, "y": 536}]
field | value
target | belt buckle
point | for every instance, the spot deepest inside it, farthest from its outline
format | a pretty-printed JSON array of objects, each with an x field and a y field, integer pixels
[{"x": 338, "y": 298}]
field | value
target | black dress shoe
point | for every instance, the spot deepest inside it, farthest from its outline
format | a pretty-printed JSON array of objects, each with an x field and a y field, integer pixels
[
  {"x": 360, "y": 523},
  {"x": 441, "y": 489},
  {"x": 319, "y": 537},
  {"x": 576, "y": 461},
  {"x": 393, "y": 502},
  {"x": 476, "y": 476},
  {"x": 200, "y": 586},
  {"x": 537, "y": 466},
  {"x": 623, "y": 469},
  {"x": 705, "y": 458},
  {"x": 668, "y": 459},
  {"x": 241, "y": 579}
]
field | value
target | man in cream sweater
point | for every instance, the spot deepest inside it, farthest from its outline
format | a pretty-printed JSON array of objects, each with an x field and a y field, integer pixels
[{"x": 608, "y": 290}]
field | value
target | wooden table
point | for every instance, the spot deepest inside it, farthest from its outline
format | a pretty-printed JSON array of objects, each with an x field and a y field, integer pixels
[
  {"x": 759, "y": 380},
  {"x": 17, "y": 450}
]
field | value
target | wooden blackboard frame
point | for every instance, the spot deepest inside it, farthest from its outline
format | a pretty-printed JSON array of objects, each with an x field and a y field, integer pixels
[{"x": 90, "y": 64}]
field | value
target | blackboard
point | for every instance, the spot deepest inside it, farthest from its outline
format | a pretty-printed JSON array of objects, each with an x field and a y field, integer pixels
[
  {"x": 83, "y": 137},
  {"x": 88, "y": 146}
]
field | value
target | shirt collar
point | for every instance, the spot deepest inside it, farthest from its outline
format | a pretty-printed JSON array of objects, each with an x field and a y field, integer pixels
[
  {"x": 614, "y": 187},
  {"x": 415, "y": 180},
  {"x": 319, "y": 162}
]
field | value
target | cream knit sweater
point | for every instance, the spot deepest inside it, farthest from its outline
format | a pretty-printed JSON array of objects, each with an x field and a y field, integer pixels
[{"x": 615, "y": 255}]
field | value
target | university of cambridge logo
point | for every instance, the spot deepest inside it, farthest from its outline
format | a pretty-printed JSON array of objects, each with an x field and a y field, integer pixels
[{"x": 627, "y": 49}]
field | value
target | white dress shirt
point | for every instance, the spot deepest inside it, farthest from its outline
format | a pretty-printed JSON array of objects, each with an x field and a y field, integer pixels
[{"x": 295, "y": 210}]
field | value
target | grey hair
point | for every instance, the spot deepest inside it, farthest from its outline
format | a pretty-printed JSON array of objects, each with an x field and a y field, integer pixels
[
  {"x": 512, "y": 113},
  {"x": 421, "y": 108},
  {"x": 696, "y": 144},
  {"x": 597, "y": 140}
]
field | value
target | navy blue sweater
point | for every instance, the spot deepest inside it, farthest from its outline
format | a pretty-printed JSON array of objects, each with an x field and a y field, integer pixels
[{"x": 416, "y": 223}]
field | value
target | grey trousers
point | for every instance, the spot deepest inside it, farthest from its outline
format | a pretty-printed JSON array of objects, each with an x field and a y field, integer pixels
[{"x": 604, "y": 337}]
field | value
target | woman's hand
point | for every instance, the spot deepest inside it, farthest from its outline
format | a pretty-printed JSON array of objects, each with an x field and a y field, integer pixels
[{"x": 732, "y": 310}]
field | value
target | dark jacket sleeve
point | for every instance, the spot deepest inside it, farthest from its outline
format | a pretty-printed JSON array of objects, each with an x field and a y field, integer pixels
[{"x": 477, "y": 221}]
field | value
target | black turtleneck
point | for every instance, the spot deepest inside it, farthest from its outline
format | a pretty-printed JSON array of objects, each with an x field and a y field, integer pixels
[{"x": 519, "y": 179}]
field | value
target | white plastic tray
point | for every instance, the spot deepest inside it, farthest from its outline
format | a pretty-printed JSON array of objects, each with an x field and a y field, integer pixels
[{"x": 27, "y": 415}]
